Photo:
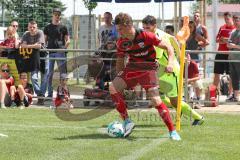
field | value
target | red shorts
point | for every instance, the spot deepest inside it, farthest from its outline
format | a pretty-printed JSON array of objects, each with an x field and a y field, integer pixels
[
  {"x": 58, "y": 101},
  {"x": 27, "y": 100},
  {"x": 146, "y": 78}
]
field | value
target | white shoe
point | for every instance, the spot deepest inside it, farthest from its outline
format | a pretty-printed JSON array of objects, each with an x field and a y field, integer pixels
[{"x": 128, "y": 126}]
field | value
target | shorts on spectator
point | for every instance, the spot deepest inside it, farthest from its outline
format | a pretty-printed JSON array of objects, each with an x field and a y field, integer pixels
[
  {"x": 221, "y": 67},
  {"x": 26, "y": 100}
]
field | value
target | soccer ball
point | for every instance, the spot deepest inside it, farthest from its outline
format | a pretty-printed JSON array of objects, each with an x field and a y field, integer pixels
[{"x": 115, "y": 129}]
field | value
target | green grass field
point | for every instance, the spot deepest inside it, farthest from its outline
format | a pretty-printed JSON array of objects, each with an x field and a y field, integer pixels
[{"x": 38, "y": 134}]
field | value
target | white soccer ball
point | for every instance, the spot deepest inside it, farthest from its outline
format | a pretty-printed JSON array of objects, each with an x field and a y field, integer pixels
[{"x": 115, "y": 129}]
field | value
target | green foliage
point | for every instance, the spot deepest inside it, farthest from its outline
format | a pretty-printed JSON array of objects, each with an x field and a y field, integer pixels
[
  {"x": 90, "y": 5},
  {"x": 225, "y": 1},
  {"x": 26, "y": 10}
]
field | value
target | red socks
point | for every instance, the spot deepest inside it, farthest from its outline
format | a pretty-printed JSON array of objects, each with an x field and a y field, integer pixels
[
  {"x": 120, "y": 104},
  {"x": 164, "y": 113}
]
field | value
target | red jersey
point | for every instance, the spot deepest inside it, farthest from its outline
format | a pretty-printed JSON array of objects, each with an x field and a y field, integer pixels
[
  {"x": 9, "y": 43},
  {"x": 224, "y": 31},
  {"x": 10, "y": 84},
  {"x": 140, "y": 50}
]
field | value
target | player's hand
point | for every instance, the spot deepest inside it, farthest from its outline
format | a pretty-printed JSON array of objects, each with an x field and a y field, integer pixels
[{"x": 169, "y": 69}]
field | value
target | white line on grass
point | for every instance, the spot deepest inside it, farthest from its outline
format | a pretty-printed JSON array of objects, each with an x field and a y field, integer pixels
[
  {"x": 139, "y": 152},
  {"x": 3, "y": 135}
]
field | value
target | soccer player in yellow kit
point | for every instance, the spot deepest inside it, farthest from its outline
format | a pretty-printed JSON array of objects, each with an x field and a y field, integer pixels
[{"x": 168, "y": 82}]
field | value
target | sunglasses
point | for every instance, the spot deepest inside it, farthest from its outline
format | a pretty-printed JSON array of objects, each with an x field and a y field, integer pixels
[
  {"x": 15, "y": 26},
  {"x": 5, "y": 70}
]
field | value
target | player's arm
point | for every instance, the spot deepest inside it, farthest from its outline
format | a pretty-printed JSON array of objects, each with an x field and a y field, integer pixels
[
  {"x": 233, "y": 46},
  {"x": 175, "y": 45},
  {"x": 170, "y": 53},
  {"x": 67, "y": 41}
]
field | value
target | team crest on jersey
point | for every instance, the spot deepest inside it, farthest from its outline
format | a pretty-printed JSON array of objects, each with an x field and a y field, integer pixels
[
  {"x": 141, "y": 44},
  {"x": 126, "y": 45}
]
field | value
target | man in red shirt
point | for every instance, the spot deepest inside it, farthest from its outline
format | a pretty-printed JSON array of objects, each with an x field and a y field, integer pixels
[
  {"x": 141, "y": 68},
  {"x": 222, "y": 38}
]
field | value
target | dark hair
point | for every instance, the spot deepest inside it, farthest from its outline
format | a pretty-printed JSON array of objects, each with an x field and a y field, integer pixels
[
  {"x": 109, "y": 13},
  {"x": 149, "y": 20},
  {"x": 123, "y": 19},
  {"x": 32, "y": 22},
  {"x": 235, "y": 16},
  {"x": 227, "y": 14},
  {"x": 170, "y": 27}
]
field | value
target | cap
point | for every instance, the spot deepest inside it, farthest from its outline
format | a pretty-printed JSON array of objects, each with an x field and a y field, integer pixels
[
  {"x": 64, "y": 76},
  {"x": 57, "y": 10}
]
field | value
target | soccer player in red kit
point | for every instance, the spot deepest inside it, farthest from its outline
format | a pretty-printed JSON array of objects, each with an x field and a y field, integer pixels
[{"x": 141, "y": 69}]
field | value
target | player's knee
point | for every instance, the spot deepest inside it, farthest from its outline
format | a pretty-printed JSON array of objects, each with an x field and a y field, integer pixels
[
  {"x": 156, "y": 101},
  {"x": 112, "y": 89}
]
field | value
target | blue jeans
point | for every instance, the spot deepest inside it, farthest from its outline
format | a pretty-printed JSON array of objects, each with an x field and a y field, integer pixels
[
  {"x": 62, "y": 67},
  {"x": 44, "y": 76},
  {"x": 36, "y": 86}
]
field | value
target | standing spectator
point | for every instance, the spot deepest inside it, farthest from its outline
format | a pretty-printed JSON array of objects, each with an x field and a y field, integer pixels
[
  {"x": 169, "y": 29},
  {"x": 14, "y": 24},
  {"x": 195, "y": 41},
  {"x": 200, "y": 28},
  {"x": 234, "y": 45},
  {"x": 107, "y": 31},
  {"x": 34, "y": 38},
  {"x": 10, "y": 42},
  {"x": 23, "y": 93},
  {"x": 6, "y": 81},
  {"x": 57, "y": 37},
  {"x": 222, "y": 38}
]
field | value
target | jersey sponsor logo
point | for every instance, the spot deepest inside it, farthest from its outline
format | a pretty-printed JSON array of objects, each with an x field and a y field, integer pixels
[{"x": 141, "y": 54}]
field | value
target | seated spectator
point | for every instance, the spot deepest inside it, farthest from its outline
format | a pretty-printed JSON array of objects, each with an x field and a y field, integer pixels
[
  {"x": 21, "y": 95},
  {"x": 10, "y": 41},
  {"x": 6, "y": 81},
  {"x": 194, "y": 77},
  {"x": 63, "y": 94}
]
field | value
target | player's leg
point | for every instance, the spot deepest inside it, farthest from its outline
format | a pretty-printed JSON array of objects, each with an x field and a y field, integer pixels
[
  {"x": 22, "y": 94},
  {"x": 3, "y": 93}
]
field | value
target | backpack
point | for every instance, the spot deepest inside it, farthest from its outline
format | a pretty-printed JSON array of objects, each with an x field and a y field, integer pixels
[
  {"x": 224, "y": 82},
  {"x": 211, "y": 96}
]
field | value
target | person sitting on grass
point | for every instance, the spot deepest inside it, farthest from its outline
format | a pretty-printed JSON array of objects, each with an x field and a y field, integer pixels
[
  {"x": 21, "y": 95},
  {"x": 63, "y": 94},
  {"x": 6, "y": 81}
]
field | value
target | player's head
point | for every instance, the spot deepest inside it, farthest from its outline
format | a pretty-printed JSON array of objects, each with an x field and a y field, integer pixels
[
  {"x": 107, "y": 18},
  {"x": 5, "y": 70},
  {"x": 124, "y": 24},
  {"x": 23, "y": 77},
  {"x": 14, "y": 24},
  {"x": 169, "y": 29},
  {"x": 236, "y": 20},
  {"x": 149, "y": 23},
  {"x": 32, "y": 27},
  {"x": 228, "y": 18}
]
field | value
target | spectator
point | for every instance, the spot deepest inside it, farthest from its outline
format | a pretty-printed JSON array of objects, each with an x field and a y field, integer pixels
[
  {"x": 63, "y": 94},
  {"x": 34, "y": 38},
  {"x": 194, "y": 78},
  {"x": 234, "y": 45},
  {"x": 169, "y": 29},
  {"x": 222, "y": 38},
  {"x": 6, "y": 82},
  {"x": 10, "y": 41},
  {"x": 200, "y": 28},
  {"x": 195, "y": 41},
  {"x": 57, "y": 37},
  {"x": 21, "y": 95},
  {"x": 107, "y": 31},
  {"x": 14, "y": 24}
]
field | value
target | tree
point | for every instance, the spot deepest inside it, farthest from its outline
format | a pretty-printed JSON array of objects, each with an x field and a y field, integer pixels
[
  {"x": 26, "y": 10},
  {"x": 225, "y": 1}
]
